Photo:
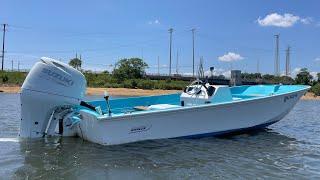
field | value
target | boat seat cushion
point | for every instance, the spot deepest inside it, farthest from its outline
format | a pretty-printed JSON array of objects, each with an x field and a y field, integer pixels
[{"x": 162, "y": 106}]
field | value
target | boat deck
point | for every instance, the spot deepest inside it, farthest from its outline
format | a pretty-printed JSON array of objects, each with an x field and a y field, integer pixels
[{"x": 134, "y": 105}]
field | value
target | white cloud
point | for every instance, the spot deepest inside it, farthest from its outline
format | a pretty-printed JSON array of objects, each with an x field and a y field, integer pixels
[
  {"x": 307, "y": 20},
  {"x": 285, "y": 20},
  {"x": 218, "y": 72},
  {"x": 187, "y": 74},
  {"x": 297, "y": 71},
  {"x": 215, "y": 72},
  {"x": 227, "y": 74},
  {"x": 314, "y": 75},
  {"x": 317, "y": 59},
  {"x": 154, "y": 22},
  {"x": 275, "y": 19},
  {"x": 230, "y": 56}
]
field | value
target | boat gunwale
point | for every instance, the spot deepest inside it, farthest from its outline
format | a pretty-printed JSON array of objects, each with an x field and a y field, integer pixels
[{"x": 193, "y": 108}]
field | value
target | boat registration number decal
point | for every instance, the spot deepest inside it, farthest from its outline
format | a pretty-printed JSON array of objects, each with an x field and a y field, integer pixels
[
  {"x": 292, "y": 96},
  {"x": 139, "y": 129}
]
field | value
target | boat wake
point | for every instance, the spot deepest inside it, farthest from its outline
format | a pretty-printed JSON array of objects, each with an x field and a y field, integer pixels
[{"x": 9, "y": 140}]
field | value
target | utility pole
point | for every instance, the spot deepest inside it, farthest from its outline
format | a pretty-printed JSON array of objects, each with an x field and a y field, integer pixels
[
  {"x": 158, "y": 65},
  {"x": 193, "y": 30},
  {"x": 170, "y": 31},
  {"x": 276, "y": 61},
  {"x": 288, "y": 61},
  {"x": 12, "y": 65},
  {"x": 3, "y": 38},
  {"x": 177, "y": 63}
]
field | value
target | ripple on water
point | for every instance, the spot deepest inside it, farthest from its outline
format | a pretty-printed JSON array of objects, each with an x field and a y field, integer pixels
[{"x": 288, "y": 149}]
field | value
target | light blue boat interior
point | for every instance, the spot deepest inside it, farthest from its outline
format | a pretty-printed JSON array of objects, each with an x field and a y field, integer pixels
[{"x": 123, "y": 106}]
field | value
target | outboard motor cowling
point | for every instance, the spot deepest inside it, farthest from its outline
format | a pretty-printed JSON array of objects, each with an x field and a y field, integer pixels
[{"x": 50, "y": 84}]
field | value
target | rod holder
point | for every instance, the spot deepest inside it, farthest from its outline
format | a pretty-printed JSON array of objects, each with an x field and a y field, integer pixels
[{"x": 106, "y": 97}]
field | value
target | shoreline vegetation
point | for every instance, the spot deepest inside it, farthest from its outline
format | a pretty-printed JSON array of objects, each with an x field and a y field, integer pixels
[
  {"x": 129, "y": 78},
  {"x": 96, "y": 91}
]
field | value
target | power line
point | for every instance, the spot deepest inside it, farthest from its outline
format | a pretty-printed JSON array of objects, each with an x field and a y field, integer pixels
[
  {"x": 3, "y": 40},
  {"x": 114, "y": 46},
  {"x": 165, "y": 66},
  {"x": 210, "y": 38}
]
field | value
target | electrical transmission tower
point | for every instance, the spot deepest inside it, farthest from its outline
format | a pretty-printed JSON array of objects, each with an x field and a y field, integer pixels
[
  {"x": 288, "y": 61},
  {"x": 276, "y": 61},
  {"x": 4, "y": 35},
  {"x": 177, "y": 63},
  {"x": 170, "y": 31}
]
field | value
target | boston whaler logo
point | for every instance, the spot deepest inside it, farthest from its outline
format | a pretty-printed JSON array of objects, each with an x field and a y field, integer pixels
[
  {"x": 139, "y": 129},
  {"x": 292, "y": 96},
  {"x": 58, "y": 78}
]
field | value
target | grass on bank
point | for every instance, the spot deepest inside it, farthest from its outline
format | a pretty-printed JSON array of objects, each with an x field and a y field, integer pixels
[
  {"x": 108, "y": 81},
  {"x": 105, "y": 80},
  {"x": 12, "y": 78}
]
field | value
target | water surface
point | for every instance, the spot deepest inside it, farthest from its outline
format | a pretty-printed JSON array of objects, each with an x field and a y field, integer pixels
[{"x": 288, "y": 149}]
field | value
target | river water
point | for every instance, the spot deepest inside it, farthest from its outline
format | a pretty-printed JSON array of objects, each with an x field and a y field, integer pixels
[{"x": 289, "y": 149}]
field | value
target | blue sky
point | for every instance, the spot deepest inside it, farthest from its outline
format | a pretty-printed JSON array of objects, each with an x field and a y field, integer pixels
[{"x": 240, "y": 32}]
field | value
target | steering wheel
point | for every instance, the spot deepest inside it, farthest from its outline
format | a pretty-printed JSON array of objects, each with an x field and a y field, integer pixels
[{"x": 194, "y": 87}]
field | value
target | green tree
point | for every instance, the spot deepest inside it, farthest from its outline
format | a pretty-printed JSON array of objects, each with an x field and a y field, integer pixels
[
  {"x": 316, "y": 89},
  {"x": 251, "y": 76},
  {"x": 269, "y": 78},
  {"x": 303, "y": 77},
  {"x": 133, "y": 68},
  {"x": 221, "y": 76},
  {"x": 318, "y": 75},
  {"x": 286, "y": 80},
  {"x": 76, "y": 63}
]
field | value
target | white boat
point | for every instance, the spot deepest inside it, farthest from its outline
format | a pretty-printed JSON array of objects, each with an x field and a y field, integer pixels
[{"x": 52, "y": 104}]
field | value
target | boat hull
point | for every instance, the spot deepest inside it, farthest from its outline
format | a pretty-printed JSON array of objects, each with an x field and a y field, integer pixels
[{"x": 198, "y": 121}]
